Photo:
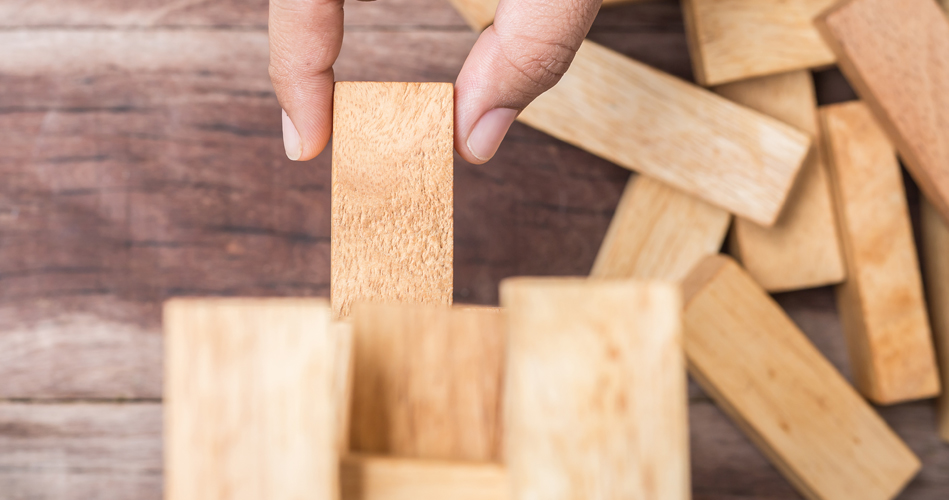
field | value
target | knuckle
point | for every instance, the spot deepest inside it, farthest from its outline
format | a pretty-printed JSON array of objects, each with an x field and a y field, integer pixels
[{"x": 543, "y": 63}]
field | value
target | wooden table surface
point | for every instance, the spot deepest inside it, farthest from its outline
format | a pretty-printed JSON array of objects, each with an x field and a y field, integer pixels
[{"x": 141, "y": 158}]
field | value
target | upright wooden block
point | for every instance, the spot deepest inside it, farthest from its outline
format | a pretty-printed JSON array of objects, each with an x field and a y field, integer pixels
[
  {"x": 250, "y": 399},
  {"x": 881, "y": 304},
  {"x": 428, "y": 381},
  {"x": 595, "y": 399},
  {"x": 479, "y": 14},
  {"x": 342, "y": 332},
  {"x": 392, "y": 193},
  {"x": 658, "y": 233},
  {"x": 789, "y": 400},
  {"x": 896, "y": 56},
  {"x": 935, "y": 236},
  {"x": 695, "y": 141},
  {"x": 368, "y": 477},
  {"x": 741, "y": 39},
  {"x": 801, "y": 249}
]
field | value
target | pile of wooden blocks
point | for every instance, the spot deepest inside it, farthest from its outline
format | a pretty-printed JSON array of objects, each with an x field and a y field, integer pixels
[{"x": 576, "y": 387}]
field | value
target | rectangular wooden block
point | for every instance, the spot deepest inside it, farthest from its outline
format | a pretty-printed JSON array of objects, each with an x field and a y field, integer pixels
[
  {"x": 595, "y": 391},
  {"x": 369, "y": 477},
  {"x": 658, "y": 233},
  {"x": 935, "y": 238},
  {"x": 651, "y": 122},
  {"x": 392, "y": 193},
  {"x": 250, "y": 399},
  {"x": 801, "y": 250},
  {"x": 881, "y": 304},
  {"x": 783, "y": 393},
  {"x": 740, "y": 39},
  {"x": 896, "y": 56},
  {"x": 428, "y": 381},
  {"x": 479, "y": 14}
]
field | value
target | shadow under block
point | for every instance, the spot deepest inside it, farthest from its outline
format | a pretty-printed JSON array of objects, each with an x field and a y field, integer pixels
[
  {"x": 479, "y": 14},
  {"x": 392, "y": 193},
  {"x": 786, "y": 397},
  {"x": 882, "y": 308},
  {"x": 250, "y": 399},
  {"x": 740, "y": 39},
  {"x": 658, "y": 233},
  {"x": 653, "y": 123},
  {"x": 428, "y": 381},
  {"x": 935, "y": 240},
  {"x": 366, "y": 477},
  {"x": 801, "y": 250},
  {"x": 895, "y": 54},
  {"x": 595, "y": 392}
]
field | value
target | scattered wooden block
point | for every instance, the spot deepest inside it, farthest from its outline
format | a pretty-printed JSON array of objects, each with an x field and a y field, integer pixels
[
  {"x": 479, "y": 14},
  {"x": 428, "y": 381},
  {"x": 801, "y": 249},
  {"x": 392, "y": 193},
  {"x": 342, "y": 332},
  {"x": 366, "y": 477},
  {"x": 651, "y": 122},
  {"x": 742, "y": 39},
  {"x": 595, "y": 394},
  {"x": 658, "y": 233},
  {"x": 935, "y": 236},
  {"x": 896, "y": 56},
  {"x": 250, "y": 402},
  {"x": 881, "y": 304},
  {"x": 783, "y": 393}
]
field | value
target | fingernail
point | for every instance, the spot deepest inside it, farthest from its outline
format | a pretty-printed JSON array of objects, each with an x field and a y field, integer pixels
[
  {"x": 489, "y": 132},
  {"x": 291, "y": 138}
]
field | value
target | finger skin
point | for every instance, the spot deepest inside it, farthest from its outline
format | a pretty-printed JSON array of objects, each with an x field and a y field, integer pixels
[
  {"x": 525, "y": 52},
  {"x": 305, "y": 38}
]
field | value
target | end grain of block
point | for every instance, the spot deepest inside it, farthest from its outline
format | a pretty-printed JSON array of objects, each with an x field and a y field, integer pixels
[
  {"x": 881, "y": 304},
  {"x": 392, "y": 195},
  {"x": 789, "y": 400},
  {"x": 935, "y": 236}
]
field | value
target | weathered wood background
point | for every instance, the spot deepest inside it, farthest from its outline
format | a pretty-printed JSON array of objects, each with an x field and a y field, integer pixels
[{"x": 141, "y": 158}]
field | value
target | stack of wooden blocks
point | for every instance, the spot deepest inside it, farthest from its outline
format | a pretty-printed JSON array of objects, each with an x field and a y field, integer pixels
[{"x": 576, "y": 387}]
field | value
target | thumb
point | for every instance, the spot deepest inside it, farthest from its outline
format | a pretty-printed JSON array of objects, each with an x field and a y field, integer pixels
[{"x": 525, "y": 52}]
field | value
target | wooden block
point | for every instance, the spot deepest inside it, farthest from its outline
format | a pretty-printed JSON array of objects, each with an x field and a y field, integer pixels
[
  {"x": 479, "y": 14},
  {"x": 651, "y": 122},
  {"x": 658, "y": 233},
  {"x": 428, "y": 381},
  {"x": 935, "y": 238},
  {"x": 801, "y": 249},
  {"x": 741, "y": 39},
  {"x": 342, "y": 332},
  {"x": 896, "y": 56},
  {"x": 595, "y": 391},
  {"x": 392, "y": 193},
  {"x": 783, "y": 393},
  {"x": 367, "y": 477},
  {"x": 881, "y": 304},
  {"x": 250, "y": 404}
]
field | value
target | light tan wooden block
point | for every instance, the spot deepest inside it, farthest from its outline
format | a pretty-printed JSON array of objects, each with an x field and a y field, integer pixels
[
  {"x": 595, "y": 391},
  {"x": 342, "y": 332},
  {"x": 392, "y": 193},
  {"x": 896, "y": 56},
  {"x": 935, "y": 237},
  {"x": 691, "y": 139},
  {"x": 428, "y": 381},
  {"x": 739, "y": 39},
  {"x": 658, "y": 233},
  {"x": 479, "y": 14},
  {"x": 801, "y": 250},
  {"x": 881, "y": 304},
  {"x": 250, "y": 399},
  {"x": 368, "y": 477},
  {"x": 789, "y": 400}
]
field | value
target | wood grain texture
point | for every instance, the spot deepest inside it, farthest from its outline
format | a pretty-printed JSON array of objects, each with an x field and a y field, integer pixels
[
  {"x": 896, "y": 56},
  {"x": 392, "y": 235},
  {"x": 740, "y": 39},
  {"x": 595, "y": 401},
  {"x": 375, "y": 477},
  {"x": 685, "y": 136},
  {"x": 428, "y": 381},
  {"x": 881, "y": 304},
  {"x": 250, "y": 400},
  {"x": 658, "y": 233},
  {"x": 479, "y": 14},
  {"x": 935, "y": 253},
  {"x": 815, "y": 428},
  {"x": 801, "y": 250},
  {"x": 342, "y": 334}
]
